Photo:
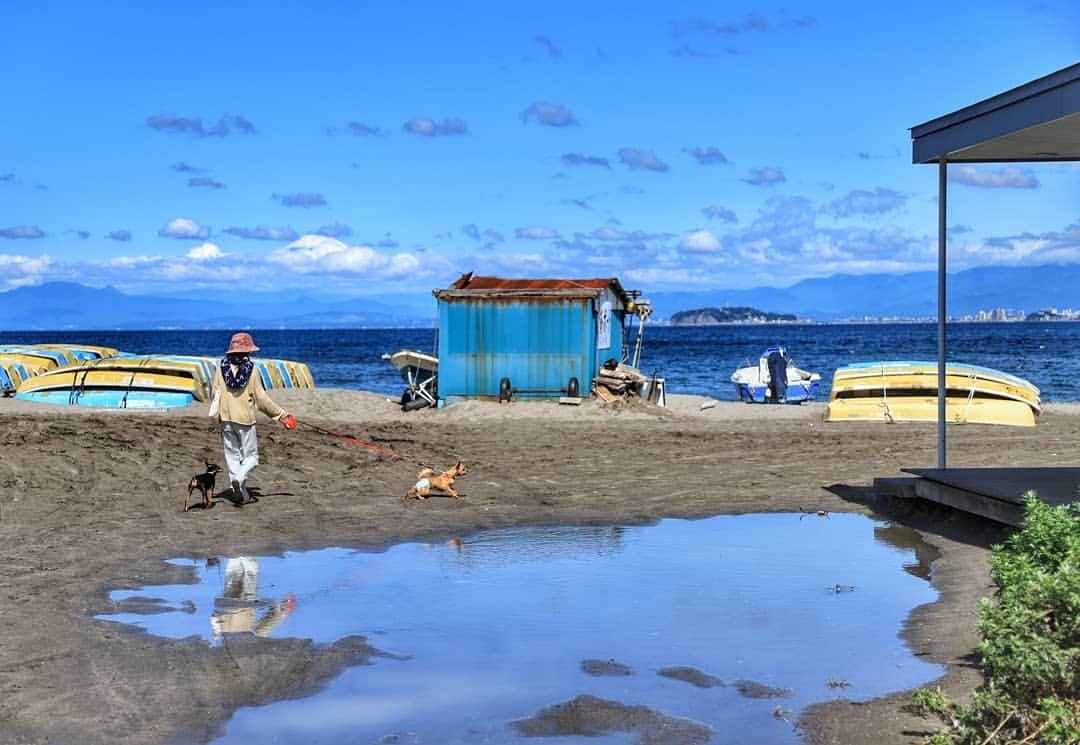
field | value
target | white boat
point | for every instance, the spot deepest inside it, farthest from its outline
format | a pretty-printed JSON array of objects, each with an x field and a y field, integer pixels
[
  {"x": 754, "y": 384},
  {"x": 420, "y": 372}
]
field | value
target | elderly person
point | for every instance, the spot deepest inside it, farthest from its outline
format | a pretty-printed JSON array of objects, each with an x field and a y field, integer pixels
[{"x": 238, "y": 392}]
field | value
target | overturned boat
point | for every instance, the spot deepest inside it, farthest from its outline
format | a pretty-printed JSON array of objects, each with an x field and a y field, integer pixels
[
  {"x": 775, "y": 379},
  {"x": 20, "y": 362},
  {"x": 65, "y": 352},
  {"x": 148, "y": 381},
  {"x": 142, "y": 382},
  {"x": 907, "y": 391}
]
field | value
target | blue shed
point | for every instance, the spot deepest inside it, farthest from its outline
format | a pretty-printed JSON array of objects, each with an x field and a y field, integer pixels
[{"x": 529, "y": 338}]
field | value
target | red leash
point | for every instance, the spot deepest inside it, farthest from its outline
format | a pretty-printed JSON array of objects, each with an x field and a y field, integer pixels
[{"x": 354, "y": 441}]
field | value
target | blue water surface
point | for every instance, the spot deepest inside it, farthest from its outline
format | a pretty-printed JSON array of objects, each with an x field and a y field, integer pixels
[
  {"x": 695, "y": 360},
  {"x": 494, "y": 627}
]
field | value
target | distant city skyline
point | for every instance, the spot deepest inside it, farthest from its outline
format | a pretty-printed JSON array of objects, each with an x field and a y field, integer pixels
[{"x": 349, "y": 149}]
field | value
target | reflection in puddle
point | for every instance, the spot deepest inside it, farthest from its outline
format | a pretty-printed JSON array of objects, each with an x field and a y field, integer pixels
[
  {"x": 238, "y": 610},
  {"x": 706, "y": 622}
]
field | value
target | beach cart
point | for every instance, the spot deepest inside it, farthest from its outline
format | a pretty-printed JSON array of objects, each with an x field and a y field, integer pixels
[{"x": 420, "y": 372}]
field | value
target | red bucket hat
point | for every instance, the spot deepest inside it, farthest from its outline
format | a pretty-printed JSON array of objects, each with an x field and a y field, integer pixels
[{"x": 242, "y": 343}]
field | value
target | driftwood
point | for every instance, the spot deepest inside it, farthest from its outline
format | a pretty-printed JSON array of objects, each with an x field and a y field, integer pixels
[
  {"x": 603, "y": 393},
  {"x": 618, "y": 382}
]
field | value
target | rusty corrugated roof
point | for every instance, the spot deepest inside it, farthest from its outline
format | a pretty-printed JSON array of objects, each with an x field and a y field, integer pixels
[{"x": 468, "y": 282}]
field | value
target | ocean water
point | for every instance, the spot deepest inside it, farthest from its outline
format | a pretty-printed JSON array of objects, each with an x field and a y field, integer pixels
[{"x": 696, "y": 360}]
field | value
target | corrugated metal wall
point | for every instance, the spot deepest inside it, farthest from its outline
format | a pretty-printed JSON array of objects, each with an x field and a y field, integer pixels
[{"x": 538, "y": 343}]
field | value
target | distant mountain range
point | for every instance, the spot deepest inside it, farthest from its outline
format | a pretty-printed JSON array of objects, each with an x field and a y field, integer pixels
[
  {"x": 65, "y": 305},
  {"x": 912, "y": 295},
  {"x": 59, "y": 305}
]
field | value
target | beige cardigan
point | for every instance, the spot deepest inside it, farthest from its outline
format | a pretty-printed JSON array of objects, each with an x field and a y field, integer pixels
[{"x": 238, "y": 405}]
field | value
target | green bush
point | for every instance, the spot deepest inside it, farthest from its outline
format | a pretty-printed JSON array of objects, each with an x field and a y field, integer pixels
[{"x": 1030, "y": 645}]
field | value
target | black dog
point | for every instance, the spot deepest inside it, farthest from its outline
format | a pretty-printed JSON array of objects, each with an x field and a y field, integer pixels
[{"x": 204, "y": 482}]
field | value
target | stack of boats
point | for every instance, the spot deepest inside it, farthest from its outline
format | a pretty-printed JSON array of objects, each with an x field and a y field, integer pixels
[
  {"x": 103, "y": 377},
  {"x": 20, "y": 362},
  {"x": 905, "y": 391}
]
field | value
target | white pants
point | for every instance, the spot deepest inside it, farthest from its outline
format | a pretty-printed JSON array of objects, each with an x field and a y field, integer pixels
[
  {"x": 241, "y": 451},
  {"x": 242, "y": 578}
]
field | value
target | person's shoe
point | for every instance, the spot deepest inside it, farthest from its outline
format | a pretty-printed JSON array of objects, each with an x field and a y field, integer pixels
[{"x": 237, "y": 494}]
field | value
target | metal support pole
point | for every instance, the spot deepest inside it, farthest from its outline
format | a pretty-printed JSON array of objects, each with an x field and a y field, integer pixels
[{"x": 942, "y": 233}]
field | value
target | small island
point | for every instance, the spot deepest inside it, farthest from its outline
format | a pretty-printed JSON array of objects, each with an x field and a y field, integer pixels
[{"x": 717, "y": 316}]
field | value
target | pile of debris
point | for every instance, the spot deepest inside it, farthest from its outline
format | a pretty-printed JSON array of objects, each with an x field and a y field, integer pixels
[{"x": 614, "y": 381}]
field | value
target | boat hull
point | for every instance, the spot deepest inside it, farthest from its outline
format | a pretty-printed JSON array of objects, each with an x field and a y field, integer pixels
[
  {"x": 122, "y": 382},
  {"x": 902, "y": 391},
  {"x": 797, "y": 392},
  {"x": 958, "y": 410},
  {"x": 753, "y": 383},
  {"x": 148, "y": 382},
  {"x": 923, "y": 376},
  {"x": 112, "y": 398}
]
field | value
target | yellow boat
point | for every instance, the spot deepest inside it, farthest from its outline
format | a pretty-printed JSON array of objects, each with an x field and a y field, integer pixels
[
  {"x": 12, "y": 374},
  {"x": 152, "y": 381},
  {"x": 30, "y": 365},
  {"x": 19, "y": 362},
  {"x": 35, "y": 358},
  {"x": 83, "y": 351},
  {"x": 284, "y": 373},
  {"x": 122, "y": 382},
  {"x": 901, "y": 391}
]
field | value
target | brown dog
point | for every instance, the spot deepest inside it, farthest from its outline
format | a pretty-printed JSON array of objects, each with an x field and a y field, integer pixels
[
  {"x": 443, "y": 482},
  {"x": 204, "y": 482}
]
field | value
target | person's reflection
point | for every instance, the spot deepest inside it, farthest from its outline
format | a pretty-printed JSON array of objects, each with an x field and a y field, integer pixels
[{"x": 239, "y": 610}]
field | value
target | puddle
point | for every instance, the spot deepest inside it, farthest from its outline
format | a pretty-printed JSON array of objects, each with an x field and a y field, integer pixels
[{"x": 734, "y": 622}]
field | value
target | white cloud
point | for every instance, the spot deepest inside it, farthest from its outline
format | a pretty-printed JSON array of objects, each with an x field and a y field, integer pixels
[
  {"x": 126, "y": 262},
  {"x": 611, "y": 234},
  {"x": 26, "y": 264},
  {"x": 766, "y": 177},
  {"x": 551, "y": 114},
  {"x": 17, "y": 270},
  {"x": 641, "y": 160},
  {"x": 1009, "y": 177},
  {"x": 205, "y": 252},
  {"x": 536, "y": 233},
  {"x": 183, "y": 228},
  {"x": 715, "y": 211},
  {"x": 427, "y": 127},
  {"x": 316, "y": 254},
  {"x": 701, "y": 241}
]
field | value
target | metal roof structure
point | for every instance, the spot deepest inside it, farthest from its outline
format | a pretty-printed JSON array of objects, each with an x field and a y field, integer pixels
[{"x": 1035, "y": 122}]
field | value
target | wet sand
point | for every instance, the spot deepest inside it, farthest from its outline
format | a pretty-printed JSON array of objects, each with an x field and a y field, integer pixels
[{"x": 91, "y": 501}]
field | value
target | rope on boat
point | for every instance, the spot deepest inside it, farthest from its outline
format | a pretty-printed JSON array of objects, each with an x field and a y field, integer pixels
[
  {"x": 971, "y": 396},
  {"x": 885, "y": 396}
]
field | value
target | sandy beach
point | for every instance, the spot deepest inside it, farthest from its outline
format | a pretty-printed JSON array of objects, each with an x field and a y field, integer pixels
[{"x": 90, "y": 501}]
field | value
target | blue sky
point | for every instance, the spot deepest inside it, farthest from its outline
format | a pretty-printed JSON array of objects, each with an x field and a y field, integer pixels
[{"x": 355, "y": 148}]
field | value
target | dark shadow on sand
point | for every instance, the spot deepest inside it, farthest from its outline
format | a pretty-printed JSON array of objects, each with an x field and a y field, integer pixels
[{"x": 925, "y": 516}]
